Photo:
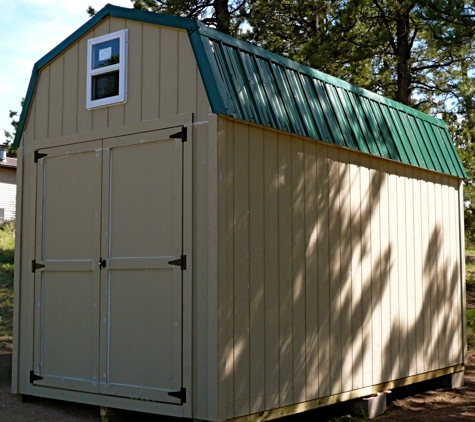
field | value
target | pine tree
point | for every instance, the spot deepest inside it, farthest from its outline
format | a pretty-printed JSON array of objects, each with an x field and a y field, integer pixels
[
  {"x": 396, "y": 48},
  {"x": 10, "y": 136},
  {"x": 224, "y": 15}
]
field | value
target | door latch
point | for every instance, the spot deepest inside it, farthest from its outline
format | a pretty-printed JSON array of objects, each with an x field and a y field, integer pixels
[{"x": 102, "y": 263}]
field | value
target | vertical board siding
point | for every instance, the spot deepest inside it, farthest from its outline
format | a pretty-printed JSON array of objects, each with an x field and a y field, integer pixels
[
  {"x": 162, "y": 82},
  {"x": 70, "y": 100},
  {"x": 241, "y": 272},
  {"x": 55, "y": 126},
  {"x": 343, "y": 270},
  {"x": 285, "y": 305},
  {"x": 41, "y": 109},
  {"x": 298, "y": 270},
  {"x": 256, "y": 271},
  {"x": 334, "y": 276},
  {"x": 311, "y": 269},
  {"x": 271, "y": 271},
  {"x": 150, "y": 105}
]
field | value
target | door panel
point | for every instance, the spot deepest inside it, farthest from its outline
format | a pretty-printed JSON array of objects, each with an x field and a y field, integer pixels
[
  {"x": 66, "y": 334},
  {"x": 142, "y": 190},
  {"x": 141, "y": 353},
  {"x": 142, "y": 232}
]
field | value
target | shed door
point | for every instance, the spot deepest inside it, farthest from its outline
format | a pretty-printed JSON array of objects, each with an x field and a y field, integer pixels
[
  {"x": 142, "y": 233},
  {"x": 66, "y": 333},
  {"x": 114, "y": 328}
]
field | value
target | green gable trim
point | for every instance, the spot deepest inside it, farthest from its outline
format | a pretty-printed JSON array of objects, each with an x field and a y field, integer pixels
[{"x": 252, "y": 84}]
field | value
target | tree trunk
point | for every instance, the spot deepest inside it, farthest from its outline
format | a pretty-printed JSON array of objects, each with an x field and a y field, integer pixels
[
  {"x": 223, "y": 18},
  {"x": 403, "y": 57}
]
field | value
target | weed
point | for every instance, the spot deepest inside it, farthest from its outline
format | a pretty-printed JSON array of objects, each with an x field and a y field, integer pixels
[
  {"x": 471, "y": 329},
  {"x": 7, "y": 246}
]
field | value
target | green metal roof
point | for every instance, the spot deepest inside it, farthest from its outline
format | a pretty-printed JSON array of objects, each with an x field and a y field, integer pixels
[{"x": 253, "y": 84}]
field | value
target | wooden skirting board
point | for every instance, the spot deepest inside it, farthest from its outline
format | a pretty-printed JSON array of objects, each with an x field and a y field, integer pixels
[{"x": 342, "y": 397}]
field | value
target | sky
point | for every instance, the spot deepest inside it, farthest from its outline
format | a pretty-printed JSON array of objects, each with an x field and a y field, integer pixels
[{"x": 29, "y": 29}]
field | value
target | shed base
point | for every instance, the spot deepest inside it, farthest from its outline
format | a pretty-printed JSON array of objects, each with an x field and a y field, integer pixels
[{"x": 370, "y": 407}]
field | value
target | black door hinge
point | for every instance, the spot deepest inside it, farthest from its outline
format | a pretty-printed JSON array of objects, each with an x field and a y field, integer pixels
[
  {"x": 39, "y": 156},
  {"x": 179, "y": 262},
  {"x": 34, "y": 377},
  {"x": 35, "y": 266},
  {"x": 181, "y": 135},
  {"x": 179, "y": 394}
]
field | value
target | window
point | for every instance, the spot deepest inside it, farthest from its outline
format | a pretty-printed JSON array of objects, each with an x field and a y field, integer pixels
[{"x": 107, "y": 70}]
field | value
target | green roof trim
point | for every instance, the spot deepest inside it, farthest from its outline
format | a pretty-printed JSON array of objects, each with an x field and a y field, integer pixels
[{"x": 252, "y": 84}]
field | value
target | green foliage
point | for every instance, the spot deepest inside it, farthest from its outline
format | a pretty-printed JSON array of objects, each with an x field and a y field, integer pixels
[
  {"x": 7, "y": 246},
  {"x": 402, "y": 50},
  {"x": 225, "y": 15},
  {"x": 91, "y": 11},
  {"x": 10, "y": 136}
]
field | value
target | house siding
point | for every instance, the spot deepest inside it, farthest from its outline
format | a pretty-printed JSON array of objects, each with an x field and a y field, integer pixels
[{"x": 8, "y": 192}]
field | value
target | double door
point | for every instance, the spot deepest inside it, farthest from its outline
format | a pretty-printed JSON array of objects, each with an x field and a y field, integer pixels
[{"x": 108, "y": 279}]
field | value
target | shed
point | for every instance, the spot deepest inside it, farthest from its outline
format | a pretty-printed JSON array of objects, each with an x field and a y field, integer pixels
[
  {"x": 212, "y": 231},
  {"x": 7, "y": 187}
]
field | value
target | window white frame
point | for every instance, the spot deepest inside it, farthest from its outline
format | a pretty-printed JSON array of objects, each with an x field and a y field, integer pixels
[{"x": 122, "y": 36}]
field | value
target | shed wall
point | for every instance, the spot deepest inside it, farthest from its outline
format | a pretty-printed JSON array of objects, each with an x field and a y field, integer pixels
[
  {"x": 8, "y": 192},
  {"x": 163, "y": 81},
  {"x": 338, "y": 270}
]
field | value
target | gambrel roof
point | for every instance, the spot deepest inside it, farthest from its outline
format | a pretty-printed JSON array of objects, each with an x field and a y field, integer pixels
[{"x": 252, "y": 84}]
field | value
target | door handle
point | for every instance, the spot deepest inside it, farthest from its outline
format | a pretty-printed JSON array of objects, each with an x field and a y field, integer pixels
[{"x": 102, "y": 263}]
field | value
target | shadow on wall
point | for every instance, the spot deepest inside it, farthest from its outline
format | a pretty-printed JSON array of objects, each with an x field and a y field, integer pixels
[{"x": 358, "y": 278}]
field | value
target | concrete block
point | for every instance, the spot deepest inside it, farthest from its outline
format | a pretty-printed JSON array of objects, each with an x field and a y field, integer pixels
[
  {"x": 455, "y": 380},
  {"x": 371, "y": 406},
  {"x": 111, "y": 415}
]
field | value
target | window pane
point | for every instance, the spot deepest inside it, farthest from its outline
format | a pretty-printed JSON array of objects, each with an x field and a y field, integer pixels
[
  {"x": 105, "y": 85},
  {"x": 106, "y": 53}
]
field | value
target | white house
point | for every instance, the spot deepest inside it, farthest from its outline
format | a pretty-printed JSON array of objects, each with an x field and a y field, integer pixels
[{"x": 7, "y": 187}]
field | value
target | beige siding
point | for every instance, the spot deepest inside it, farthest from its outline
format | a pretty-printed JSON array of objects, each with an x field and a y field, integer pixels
[
  {"x": 162, "y": 82},
  {"x": 340, "y": 270},
  {"x": 8, "y": 192}
]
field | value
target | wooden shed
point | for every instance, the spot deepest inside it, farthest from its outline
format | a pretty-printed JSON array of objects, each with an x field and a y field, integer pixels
[{"x": 211, "y": 231}]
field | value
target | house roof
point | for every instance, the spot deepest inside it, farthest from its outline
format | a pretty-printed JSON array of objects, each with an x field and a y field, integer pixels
[
  {"x": 252, "y": 84},
  {"x": 10, "y": 163}
]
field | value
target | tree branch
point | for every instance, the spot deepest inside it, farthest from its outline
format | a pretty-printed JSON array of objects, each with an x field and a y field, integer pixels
[
  {"x": 437, "y": 65},
  {"x": 386, "y": 24}
]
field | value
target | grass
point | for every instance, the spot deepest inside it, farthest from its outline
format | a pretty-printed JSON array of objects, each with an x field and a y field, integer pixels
[
  {"x": 7, "y": 246},
  {"x": 470, "y": 279}
]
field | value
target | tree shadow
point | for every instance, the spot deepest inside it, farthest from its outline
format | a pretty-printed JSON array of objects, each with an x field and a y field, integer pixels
[{"x": 361, "y": 282}]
